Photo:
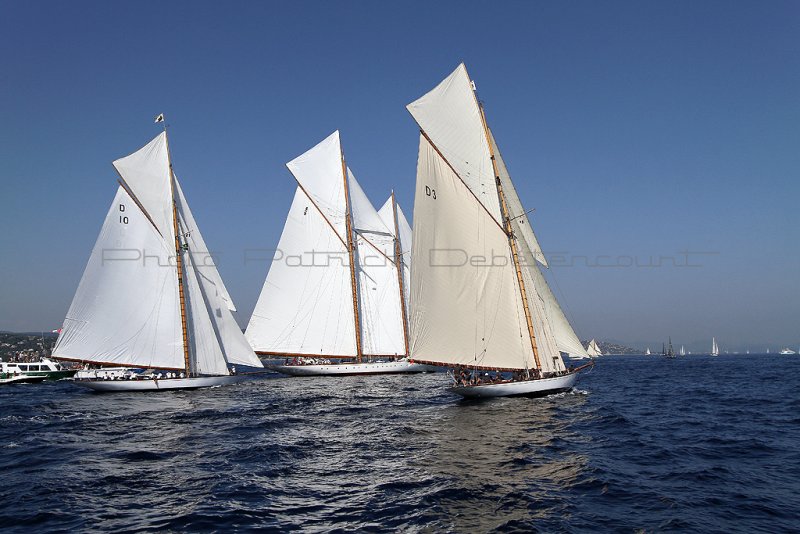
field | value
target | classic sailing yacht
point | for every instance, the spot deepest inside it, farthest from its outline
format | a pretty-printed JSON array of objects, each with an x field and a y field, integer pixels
[
  {"x": 593, "y": 349},
  {"x": 715, "y": 347},
  {"x": 479, "y": 301},
  {"x": 151, "y": 296},
  {"x": 332, "y": 302}
]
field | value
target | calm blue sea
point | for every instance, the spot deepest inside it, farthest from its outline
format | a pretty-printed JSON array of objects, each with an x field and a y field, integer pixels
[{"x": 645, "y": 444}]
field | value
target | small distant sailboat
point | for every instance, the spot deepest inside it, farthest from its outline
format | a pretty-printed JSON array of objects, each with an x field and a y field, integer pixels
[
  {"x": 668, "y": 350},
  {"x": 682, "y": 351},
  {"x": 479, "y": 301},
  {"x": 334, "y": 300},
  {"x": 647, "y": 352},
  {"x": 593, "y": 349},
  {"x": 714, "y": 347},
  {"x": 151, "y": 296}
]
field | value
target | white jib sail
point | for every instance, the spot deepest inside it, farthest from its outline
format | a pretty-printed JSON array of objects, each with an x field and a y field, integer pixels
[
  {"x": 466, "y": 307},
  {"x": 565, "y": 336},
  {"x": 126, "y": 310},
  {"x": 550, "y": 359},
  {"x": 450, "y": 116},
  {"x": 379, "y": 290},
  {"x": 213, "y": 328},
  {"x": 306, "y": 304}
]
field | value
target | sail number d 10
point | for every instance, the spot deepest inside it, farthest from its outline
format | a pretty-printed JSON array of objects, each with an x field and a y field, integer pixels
[{"x": 123, "y": 218}]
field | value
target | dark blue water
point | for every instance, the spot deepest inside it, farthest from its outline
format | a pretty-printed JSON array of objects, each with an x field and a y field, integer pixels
[{"x": 692, "y": 444}]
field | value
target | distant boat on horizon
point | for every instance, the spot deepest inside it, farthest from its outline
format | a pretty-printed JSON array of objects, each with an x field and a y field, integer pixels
[
  {"x": 786, "y": 351},
  {"x": 668, "y": 351},
  {"x": 715, "y": 347},
  {"x": 683, "y": 351},
  {"x": 593, "y": 349},
  {"x": 647, "y": 352}
]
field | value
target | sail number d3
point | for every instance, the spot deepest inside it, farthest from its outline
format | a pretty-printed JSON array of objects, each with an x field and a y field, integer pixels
[
  {"x": 430, "y": 192},
  {"x": 123, "y": 218}
]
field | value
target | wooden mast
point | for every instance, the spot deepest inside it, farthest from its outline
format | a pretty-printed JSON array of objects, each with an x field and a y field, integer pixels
[
  {"x": 350, "y": 250},
  {"x": 178, "y": 260},
  {"x": 398, "y": 261},
  {"x": 510, "y": 233}
]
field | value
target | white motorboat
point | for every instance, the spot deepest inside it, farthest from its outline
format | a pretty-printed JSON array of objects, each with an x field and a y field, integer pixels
[{"x": 45, "y": 368}]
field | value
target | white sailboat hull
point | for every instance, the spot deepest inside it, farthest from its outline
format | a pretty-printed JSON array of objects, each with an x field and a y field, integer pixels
[
  {"x": 353, "y": 368},
  {"x": 163, "y": 384},
  {"x": 527, "y": 388}
]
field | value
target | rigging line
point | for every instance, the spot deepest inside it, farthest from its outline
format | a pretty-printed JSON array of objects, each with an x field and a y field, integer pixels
[{"x": 523, "y": 214}]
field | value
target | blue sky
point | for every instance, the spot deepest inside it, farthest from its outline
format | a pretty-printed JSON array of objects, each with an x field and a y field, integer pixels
[{"x": 637, "y": 130}]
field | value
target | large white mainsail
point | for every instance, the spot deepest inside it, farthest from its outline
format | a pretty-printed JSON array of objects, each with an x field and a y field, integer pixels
[
  {"x": 127, "y": 310},
  {"x": 306, "y": 304},
  {"x": 466, "y": 307},
  {"x": 466, "y": 297}
]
